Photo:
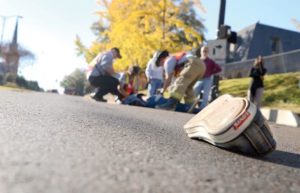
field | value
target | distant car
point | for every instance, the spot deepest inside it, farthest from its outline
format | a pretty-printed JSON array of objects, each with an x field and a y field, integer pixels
[{"x": 53, "y": 91}]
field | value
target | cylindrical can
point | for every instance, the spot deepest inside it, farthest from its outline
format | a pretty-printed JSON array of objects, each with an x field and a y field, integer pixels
[{"x": 233, "y": 123}]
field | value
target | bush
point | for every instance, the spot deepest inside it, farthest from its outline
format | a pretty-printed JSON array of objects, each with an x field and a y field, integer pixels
[
  {"x": 1, "y": 79},
  {"x": 21, "y": 81},
  {"x": 33, "y": 85},
  {"x": 12, "y": 80},
  {"x": 10, "y": 77}
]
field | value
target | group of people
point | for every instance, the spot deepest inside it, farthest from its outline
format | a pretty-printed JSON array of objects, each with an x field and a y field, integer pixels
[
  {"x": 192, "y": 75},
  {"x": 185, "y": 75}
]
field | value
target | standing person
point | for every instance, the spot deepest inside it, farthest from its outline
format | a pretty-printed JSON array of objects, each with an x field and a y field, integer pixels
[
  {"x": 154, "y": 76},
  {"x": 206, "y": 83},
  {"x": 256, "y": 89},
  {"x": 193, "y": 70},
  {"x": 103, "y": 75}
]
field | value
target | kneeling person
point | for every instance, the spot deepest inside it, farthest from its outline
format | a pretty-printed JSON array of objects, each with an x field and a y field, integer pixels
[
  {"x": 103, "y": 75},
  {"x": 193, "y": 70}
]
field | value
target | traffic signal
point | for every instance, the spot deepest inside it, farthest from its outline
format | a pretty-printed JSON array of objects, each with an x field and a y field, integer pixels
[
  {"x": 225, "y": 32},
  {"x": 232, "y": 38}
]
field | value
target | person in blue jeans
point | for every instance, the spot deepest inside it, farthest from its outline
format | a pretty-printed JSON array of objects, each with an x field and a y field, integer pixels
[
  {"x": 206, "y": 83},
  {"x": 154, "y": 76}
]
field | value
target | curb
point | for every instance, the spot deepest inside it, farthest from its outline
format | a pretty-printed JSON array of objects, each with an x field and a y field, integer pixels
[{"x": 283, "y": 117}]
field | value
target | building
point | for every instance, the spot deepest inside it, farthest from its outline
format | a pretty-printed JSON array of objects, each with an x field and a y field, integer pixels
[
  {"x": 279, "y": 47},
  {"x": 260, "y": 39}
]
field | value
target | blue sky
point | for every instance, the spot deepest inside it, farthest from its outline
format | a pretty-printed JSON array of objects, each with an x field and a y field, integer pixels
[{"x": 49, "y": 28}]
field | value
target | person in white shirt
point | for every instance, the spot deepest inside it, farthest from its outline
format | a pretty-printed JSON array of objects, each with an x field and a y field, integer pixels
[{"x": 154, "y": 76}]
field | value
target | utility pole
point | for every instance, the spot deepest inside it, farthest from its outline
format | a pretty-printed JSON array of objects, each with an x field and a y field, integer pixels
[
  {"x": 219, "y": 48},
  {"x": 222, "y": 13}
]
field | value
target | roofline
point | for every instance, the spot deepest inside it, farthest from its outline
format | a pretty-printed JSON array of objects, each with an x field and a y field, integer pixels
[{"x": 265, "y": 25}]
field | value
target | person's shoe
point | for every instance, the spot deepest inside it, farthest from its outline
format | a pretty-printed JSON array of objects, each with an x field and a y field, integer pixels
[
  {"x": 92, "y": 95},
  {"x": 170, "y": 105},
  {"x": 99, "y": 99},
  {"x": 194, "y": 104}
]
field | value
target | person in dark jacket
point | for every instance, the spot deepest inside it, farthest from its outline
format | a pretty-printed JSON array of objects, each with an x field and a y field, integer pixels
[{"x": 257, "y": 74}]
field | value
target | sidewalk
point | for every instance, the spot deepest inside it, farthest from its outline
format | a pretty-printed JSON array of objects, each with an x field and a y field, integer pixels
[{"x": 283, "y": 117}]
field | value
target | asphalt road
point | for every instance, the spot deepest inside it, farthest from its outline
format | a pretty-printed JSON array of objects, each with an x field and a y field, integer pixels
[{"x": 61, "y": 144}]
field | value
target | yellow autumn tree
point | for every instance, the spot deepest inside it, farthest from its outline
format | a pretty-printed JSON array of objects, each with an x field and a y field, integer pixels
[
  {"x": 296, "y": 23},
  {"x": 139, "y": 27}
]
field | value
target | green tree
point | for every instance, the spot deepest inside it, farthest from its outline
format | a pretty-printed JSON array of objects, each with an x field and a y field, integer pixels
[
  {"x": 74, "y": 83},
  {"x": 31, "y": 85}
]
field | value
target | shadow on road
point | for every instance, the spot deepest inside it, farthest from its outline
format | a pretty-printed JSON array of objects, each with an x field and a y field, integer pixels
[
  {"x": 277, "y": 157},
  {"x": 283, "y": 158}
]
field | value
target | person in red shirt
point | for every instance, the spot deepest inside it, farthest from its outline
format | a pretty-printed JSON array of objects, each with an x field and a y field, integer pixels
[
  {"x": 205, "y": 84},
  {"x": 129, "y": 81}
]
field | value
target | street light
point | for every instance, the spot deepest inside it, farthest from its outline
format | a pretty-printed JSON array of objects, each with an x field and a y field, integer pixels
[{"x": 4, "y": 18}]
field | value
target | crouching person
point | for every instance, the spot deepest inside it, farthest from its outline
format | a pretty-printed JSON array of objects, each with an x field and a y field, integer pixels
[
  {"x": 193, "y": 70},
  {"x": 103, "y": 76}
]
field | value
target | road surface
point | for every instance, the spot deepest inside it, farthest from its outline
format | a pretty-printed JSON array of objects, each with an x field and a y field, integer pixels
[{"x": 52, "y": 143}]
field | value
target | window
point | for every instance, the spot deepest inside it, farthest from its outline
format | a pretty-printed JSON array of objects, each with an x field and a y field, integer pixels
[{"x": 275, "y": 45}]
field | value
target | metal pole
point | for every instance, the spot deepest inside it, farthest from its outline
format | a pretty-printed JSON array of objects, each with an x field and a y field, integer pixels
[
  {"x": 216, "y": 78},
  {"x": 222, "y": 13},
  {"x": 164, "y": 19}
]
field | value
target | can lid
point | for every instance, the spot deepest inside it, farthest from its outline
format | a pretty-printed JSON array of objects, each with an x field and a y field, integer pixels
[{"x": 219, "y": 116}]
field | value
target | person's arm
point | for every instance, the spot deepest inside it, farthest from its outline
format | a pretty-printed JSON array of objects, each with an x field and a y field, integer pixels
[
  {"x": 96, "y": 60},
  {"x": 122, "y": 91},
  {"x": 254, "y": 73},
  {"x": 217, "y": 68},
  {"x": 167, "y": 82},
  {"x": 148, "y": 70},
  {"x": 121, "y": 85},
  {"x": 169, "y": 69},
  {"x": 263, "y": 73}
]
